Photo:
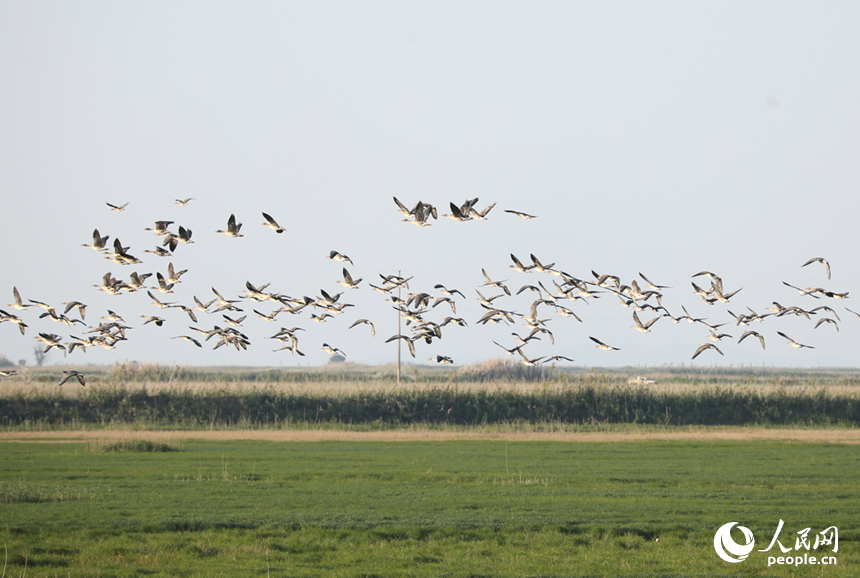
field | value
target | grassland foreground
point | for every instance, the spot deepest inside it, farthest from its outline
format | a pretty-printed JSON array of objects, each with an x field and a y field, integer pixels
[{"x": 798, "y": 435}]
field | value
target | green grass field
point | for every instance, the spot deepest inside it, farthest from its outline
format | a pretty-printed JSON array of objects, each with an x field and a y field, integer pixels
[{"x": 452, "y": 508}]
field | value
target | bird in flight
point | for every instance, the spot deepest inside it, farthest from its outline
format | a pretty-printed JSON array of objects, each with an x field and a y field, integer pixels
[
  {"x": 819, "y": 260},
  {"x": 332, "y": 350},
  {"x": 334, "y": 255},
  {"x": 794, "y": 343},
  {"x": 272, "y": 224},
  {"x": 601, "y": 345},
  {"x": 69, "y": 374},
  {"x": 754, "y": 334},
  {"x": 99, "y": 242},
  {"x": 117, "y": 208},
  {"x": 232, "y": 228},
  {"x": 703, "y": 347},
  {"x": 365, "y": 322},
  {"x": 183, "y": 202},
  {"x": 520, "y": 214}
]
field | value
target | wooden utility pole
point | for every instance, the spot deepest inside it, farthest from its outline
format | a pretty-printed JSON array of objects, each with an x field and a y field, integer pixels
[{"x": 398, "y": 330}]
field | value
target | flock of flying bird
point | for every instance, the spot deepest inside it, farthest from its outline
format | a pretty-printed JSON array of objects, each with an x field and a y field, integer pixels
[{"x": 646, "y": 299}]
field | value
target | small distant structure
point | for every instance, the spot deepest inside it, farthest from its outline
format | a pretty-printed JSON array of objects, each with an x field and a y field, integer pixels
[
  {"x": 639, "y": 380},
  {"x": 336, "y": 358}
]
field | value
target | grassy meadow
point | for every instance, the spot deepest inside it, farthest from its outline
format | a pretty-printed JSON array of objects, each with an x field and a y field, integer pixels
[
  {"x": 157, "y": 471},
  {"x": 456, "y": 508}
]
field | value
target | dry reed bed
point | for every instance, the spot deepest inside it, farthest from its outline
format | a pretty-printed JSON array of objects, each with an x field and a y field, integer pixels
[
  {"x": 382, "y": 404},
  {"x": 101, "y": 438},
  {"x": 354, "y": 387}
]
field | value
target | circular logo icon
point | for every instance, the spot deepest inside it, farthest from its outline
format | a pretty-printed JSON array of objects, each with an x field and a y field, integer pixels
[{"x": 726, "y": 547}]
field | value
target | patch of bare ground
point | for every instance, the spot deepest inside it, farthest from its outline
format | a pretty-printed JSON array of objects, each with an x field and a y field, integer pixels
[{"x": 728, "y": 434}]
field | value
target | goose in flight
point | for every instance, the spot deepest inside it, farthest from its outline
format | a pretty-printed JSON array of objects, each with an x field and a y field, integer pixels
[
  {"x": 159, "y": 252},
  {"x": 117, "y": 208},
  {"x": 557, "y": 358},
  {"x": 51, "y": 340},
  {"x": 712, "y": 276},
  {"x": 526, "y": 361},
  {"x": 518, "y": 266},
  {"x": 188, "y": 311},
  {"x": 232, "y": 227},
  {"x": 268, "y": 316},
  {"x": 184, "y": 235},
  {"x": 184, "y": 202},
  {"x": 158, "y": 303},
  {"x": 601, "y": 345},
  {"x": 402, "y": 208},
  {"x": 827, "y": 320},
  {"x": 420, "y": 213},
  {"x": 163, "y": 285},
  {"x": 234, "y": 322},
  {"x": 854, "y": 312},
  {"x": 19, "y": 305},
  {"x": 159, "y": 321},
  {"x": 409, "y": 342},
  {"x": 458, "y": 320},
  {"x": 704, "y": 346},
  {"x": 335, "y": 256},
  {"x": 113, "y": 317},
  {"x": 293, "y": 346},
  {"x": 110, "y": 285},
  {"x": 447, "y": 300},
  {"x": 121, "y": 256},
  {"x": 332, "y": 350},
  {"x": 521, "y": 214},
  {"x": 272, "y": 224},
  {"x": 8, "y": 372},
  {"x": 792, "y": 342},
  {"x": 82, "y": 308},
  {"x": 258, "y": 293},
  {"x": 69, "y": 374},
  {"x": 749, "y": 332},
  {"x": 486, "y": 301},
  {"x": 457, "y": 214},
  {"x": 652, "y": 285},
  {"x": 826, "y": 308},
  {"x": 819, "y": 260},
  {"x": 808, "y": 291},
  {"x": 348, "y": 281},
  {"x": 366, "y": 322},
  {"x": 529, "y": 337},
  {"x": 531, "y": 288},
  {"x": 481, "y": 216},
  {"x": 160, "y": 228},
  {"x": 643, "y": 327},
  {"x": 500, "y": 284},
  {"x": 539, "y": 267},
  {"x": 189, "y": 339},
  {"x": 714, "y": 336},
  {"x": 448, "y": 292},
  {"x": 565, "y": 312},
  {"x": 99, "y": 242},
  {"x": 441, "y": 359},
  {"x": 4, "y": 316},
  {"x": 172, "y": 275},
  {"x": 509, "y": 351}
]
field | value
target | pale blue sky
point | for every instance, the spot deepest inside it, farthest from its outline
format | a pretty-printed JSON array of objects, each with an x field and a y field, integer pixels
[{"x": 665, "y": 138}]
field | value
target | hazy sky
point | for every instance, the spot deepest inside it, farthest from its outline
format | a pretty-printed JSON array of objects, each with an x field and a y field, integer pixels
[{"x": 661, "y": 137}]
